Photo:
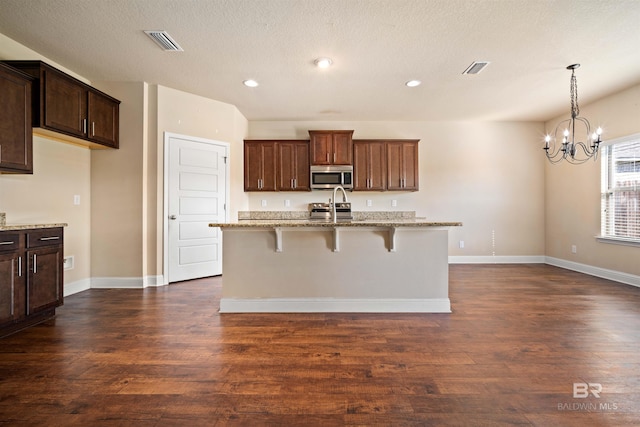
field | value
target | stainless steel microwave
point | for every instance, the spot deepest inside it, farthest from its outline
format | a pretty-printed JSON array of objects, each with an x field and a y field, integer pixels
[{"x": 329, "y": 177}]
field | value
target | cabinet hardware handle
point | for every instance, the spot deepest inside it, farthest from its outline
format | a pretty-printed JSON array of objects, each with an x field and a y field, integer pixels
[
  {"x": 6, "y": 243},
  {"x": 84, "y": 125},
  {"x": 334, "y": 157},
  {"x": 19, "y": 266},
  {"x": 35, "y": 263},
  {"x": 93, "y": 128},
  {"x": 172, "y": 217},
  {"x": 295, "y": 182},
  {"x": 44, "y": 239},
  {"x": 327, "y": 157}
]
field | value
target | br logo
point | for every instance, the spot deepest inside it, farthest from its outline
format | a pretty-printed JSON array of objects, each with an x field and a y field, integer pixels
[{"x": 582, "y": 390}]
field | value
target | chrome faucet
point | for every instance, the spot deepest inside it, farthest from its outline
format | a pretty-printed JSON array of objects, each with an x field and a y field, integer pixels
[{"x": 344, "y": 199}]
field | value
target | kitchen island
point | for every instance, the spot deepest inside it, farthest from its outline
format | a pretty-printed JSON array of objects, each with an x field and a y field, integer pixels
[{"x": 352, "y": 266}]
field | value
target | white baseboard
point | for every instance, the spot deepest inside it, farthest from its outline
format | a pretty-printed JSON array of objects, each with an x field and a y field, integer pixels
[
  {"x": 616, "y": 276},
  {"x": 516, "y": 259},
  {"x": 77, "y": 286},
  {"x": 126, "y": 282},
  {"x": 334, "y": 305}
]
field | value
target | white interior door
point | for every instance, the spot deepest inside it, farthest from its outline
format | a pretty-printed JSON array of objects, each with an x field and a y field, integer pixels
[{"x": 196, "y": 196}]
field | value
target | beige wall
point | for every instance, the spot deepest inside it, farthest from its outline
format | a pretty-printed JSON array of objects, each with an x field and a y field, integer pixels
[
  {"x": 118, "y": 189},
  {"x": 489, "y": 175},
  {"x": 61, "y": 171},
  {"x": 187, "y": 114},
  {"x": 572, "y": 192},
  {"x": 127, "y": 184}
]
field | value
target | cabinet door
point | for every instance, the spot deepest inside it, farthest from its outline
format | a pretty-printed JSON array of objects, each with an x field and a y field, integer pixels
[
  {"x": 410, "y": 165},
  {"x": 321, "y": 148},
  {"x": 16, "y": 137},
  {"x": 293, "y": 166},
  {"x": 360, "y": 166},
  {"x": 259, "y": 166},
  {"x": 369, "y": 165},
  {"x": 10, "y": 281},
  {"x": 44, "y": 283},
  {"x": 342, "y": 149},
  {"x": 65, "y": 104},
  {"x": 402, "y": 166},
  {"x": 103, "y": 119},
  {"x": 303, "y": 179}
]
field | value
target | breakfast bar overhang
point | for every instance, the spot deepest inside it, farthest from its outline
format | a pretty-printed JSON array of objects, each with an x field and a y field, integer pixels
[{"x": 355, "y": 266}]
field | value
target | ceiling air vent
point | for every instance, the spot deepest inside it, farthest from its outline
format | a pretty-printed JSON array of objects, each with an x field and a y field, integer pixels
[
  {"x": 164, "y": 40},
  {"x": 476, "y": 67}
]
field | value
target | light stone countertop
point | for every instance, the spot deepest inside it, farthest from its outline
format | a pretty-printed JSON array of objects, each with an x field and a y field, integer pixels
[
  {"x": 275, "y": 223},
  {"x": 281, "y": 219},
  {"x": 14, "y": 227}
]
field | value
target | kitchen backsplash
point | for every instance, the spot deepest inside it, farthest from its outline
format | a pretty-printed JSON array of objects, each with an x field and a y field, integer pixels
[{"x": 298, "y": 215}]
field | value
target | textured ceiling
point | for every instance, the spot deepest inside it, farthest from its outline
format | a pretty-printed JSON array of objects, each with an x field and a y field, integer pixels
[{"x": 376, "y": 46}]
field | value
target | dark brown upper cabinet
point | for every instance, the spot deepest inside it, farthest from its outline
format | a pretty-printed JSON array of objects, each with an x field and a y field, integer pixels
[
  {"x": 293, "y": 166},
  {"x": 67, "y": 109},
  {"x": 260, "y": 162},
  {"x": 385, "y": 165},
  {"x": 402, "y": 165},
  {"x": 16, "y": 136},
  {"x": 331, "y": 147},
  {"x": 271, "y": 165},
  {"x": 369, "y": 165}
]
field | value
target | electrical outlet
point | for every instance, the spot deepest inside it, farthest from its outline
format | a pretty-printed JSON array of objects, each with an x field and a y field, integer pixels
[
  {"x": 287, "y": 203},
  {"x": 76, "y": 199},
  {"x": 369, "y": 202},
  {"x": 264, "y": 203},
  {"x": 394, "y": 203},
  {"x": 574, "y": 249},
  {"x": 461, "y": 244}
]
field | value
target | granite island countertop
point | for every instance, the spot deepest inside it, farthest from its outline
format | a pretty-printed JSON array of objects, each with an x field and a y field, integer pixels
[{"x": 384, "y": 223}]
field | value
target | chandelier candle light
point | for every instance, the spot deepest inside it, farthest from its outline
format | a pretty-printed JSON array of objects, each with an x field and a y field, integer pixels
[{"x": 570, "y": 150}]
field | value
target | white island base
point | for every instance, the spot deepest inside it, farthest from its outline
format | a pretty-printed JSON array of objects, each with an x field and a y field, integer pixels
[{"x": 335, "y": 269}]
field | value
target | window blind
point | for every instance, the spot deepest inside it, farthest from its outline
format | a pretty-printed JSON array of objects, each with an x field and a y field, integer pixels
[{"x": 621, "y": 190}]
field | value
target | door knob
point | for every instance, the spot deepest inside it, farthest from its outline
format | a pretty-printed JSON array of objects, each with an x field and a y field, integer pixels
[{"x": 172, "y": 217}]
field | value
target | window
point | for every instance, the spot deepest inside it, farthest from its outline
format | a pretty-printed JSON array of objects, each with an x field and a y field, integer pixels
[{"x": 621, "y": 190}]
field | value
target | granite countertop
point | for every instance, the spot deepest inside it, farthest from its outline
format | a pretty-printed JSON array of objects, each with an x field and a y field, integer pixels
[
  {"x": 274, "y": 223},
  {"x": 278, "y": 219},
  {"x": 12, "y": 227}
]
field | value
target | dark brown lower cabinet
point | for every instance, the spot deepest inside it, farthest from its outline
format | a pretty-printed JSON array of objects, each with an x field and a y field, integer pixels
[{"x": 31, "y": 277}]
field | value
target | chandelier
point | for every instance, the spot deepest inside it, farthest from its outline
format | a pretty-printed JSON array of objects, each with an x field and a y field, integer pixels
[{"x": 574, "y": 131}]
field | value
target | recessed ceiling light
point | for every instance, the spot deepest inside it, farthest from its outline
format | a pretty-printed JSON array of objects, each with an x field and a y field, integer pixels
[
  {"x": 323, "y": 62},
  {"x": 250, "y": 83},
  {"x": 413, "y": 83}
]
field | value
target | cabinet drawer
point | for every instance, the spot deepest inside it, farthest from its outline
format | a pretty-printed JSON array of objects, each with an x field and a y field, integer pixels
[
  {"x": 9, "y": 241},
  {"x": 44, "y": 237}
]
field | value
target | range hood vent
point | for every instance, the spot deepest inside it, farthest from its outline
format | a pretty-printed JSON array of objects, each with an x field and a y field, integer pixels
[
  {"x": 164, "y": 40},
  {"x": 476, "y": 67}
]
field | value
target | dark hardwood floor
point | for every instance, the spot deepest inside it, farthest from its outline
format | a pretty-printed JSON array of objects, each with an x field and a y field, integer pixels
[{"x": 518, "y": 339}]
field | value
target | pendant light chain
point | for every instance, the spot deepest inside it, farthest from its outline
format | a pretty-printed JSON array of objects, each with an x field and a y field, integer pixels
[{"x": 575, "y": 109}]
